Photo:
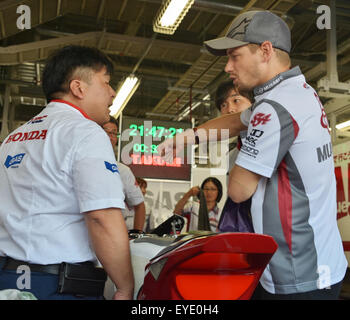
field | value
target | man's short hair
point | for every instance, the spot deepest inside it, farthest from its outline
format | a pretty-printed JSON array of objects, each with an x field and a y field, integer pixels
[
  {"x": 282, "y": 56},
  {"x": 68, "y": 62}
]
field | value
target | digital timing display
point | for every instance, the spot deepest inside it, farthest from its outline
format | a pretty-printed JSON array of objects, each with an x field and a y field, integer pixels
[
  {"x": 139, "y": 141},
  {"x": 155, "y": 132}
]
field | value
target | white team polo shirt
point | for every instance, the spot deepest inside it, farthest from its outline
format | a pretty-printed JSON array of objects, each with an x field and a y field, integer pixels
[
  {"x": 53, "y": 169},
  {"x": 133, "y": 194},
  {"x": 289, "y": 145}
]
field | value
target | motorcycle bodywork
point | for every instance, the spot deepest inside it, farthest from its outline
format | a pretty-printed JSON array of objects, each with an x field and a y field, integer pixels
[
  {"x": 223, "y": 266},
  {"x": 200, "y": 265}
]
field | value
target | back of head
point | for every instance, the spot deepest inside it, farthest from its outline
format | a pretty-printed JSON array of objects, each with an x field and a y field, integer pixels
[{"x": 64, "y": 63}]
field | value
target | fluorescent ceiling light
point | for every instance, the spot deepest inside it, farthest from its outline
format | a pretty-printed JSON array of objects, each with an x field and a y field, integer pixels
[
  {"x": 124, "y": 93},
  {"x": 343, "y": 125},
  {"x": 188, "y": 109},
  {"x": 170, "y": 15}
]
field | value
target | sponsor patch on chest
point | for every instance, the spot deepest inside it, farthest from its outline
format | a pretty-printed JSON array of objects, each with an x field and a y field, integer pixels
[{"x": 14, "y": 161}]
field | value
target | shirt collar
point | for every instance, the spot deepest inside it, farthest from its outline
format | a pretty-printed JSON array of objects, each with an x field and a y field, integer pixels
[
  {"x": 267, "y": 86},
  {"x": 73, "y": 106},
  {"x": 215, "y": 209}
]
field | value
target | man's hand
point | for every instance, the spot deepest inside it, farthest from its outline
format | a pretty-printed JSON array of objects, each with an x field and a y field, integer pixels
[
  {"x": 226, "y": 126},
  {"x": 173, "y": 147},
  {"x": 139, "y": 216}
]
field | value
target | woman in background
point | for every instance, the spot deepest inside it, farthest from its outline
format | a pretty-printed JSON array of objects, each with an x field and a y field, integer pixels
[{"x": 212, "y": 189}]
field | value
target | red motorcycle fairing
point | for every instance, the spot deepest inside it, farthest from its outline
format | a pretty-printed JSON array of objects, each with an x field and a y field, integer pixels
[{"x": 224, "y": 266}]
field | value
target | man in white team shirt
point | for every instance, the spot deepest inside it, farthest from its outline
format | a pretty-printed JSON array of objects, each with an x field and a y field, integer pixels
[
  {"x": 285, "y": 161},
  {"x": 135, "y": 211},
  {"x": 61, "y": 193}
]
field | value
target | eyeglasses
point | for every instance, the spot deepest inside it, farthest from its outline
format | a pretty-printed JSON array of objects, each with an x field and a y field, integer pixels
[
  {"x": 112, "y": 133},
  {"x": 210, "y": 189}
]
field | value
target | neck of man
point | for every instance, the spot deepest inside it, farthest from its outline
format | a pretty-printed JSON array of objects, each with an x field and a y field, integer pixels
[
  {"x": 273, "y": 72},
  {"x": 71, "y": 99}
]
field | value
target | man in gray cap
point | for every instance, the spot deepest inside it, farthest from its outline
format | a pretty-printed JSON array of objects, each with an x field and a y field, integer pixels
[{"x": 285, "y": 161}]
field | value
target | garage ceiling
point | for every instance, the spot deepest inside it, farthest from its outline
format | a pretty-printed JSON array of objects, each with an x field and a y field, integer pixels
[{"x": 175, "y": 69}]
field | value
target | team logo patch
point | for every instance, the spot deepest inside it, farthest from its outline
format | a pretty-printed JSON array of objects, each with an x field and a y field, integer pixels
[
  {"x": 111, "y": 167},
  {"x": 37, "y": 119},
  {"x": 256, "y": 133},
  {"x": 324, "y": 121},
  {"x": 250, "y": 151},
  {"x": 24, "y": 136},
  {"x": 260, "y": 118},
  {"x": 239, "y": 30},
  {"x": 14, "y": 161}
]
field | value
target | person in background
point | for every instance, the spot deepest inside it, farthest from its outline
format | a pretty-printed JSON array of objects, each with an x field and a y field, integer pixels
[
  {"x": 229, "y": 100},
  {"x": 135, "y": 211},
  {"x": 142, "y": 184},
  {"x": 61, "y": 193},
  {"x": 212, "y": 189},
  {"x": 148, "y": 223},
  {"x": 235, "y": 217}
]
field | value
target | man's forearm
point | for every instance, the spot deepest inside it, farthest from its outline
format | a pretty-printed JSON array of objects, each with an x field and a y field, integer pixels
[
  {"x": 217, "y": 129},
  {"x": 110, "y": 241},
  {"x": 140, "y": 216},
  {"x": 230, "y": 122},
  {"x": 242, "y": 184}
]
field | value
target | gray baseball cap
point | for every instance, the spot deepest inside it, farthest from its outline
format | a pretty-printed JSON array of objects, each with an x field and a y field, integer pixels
[{"x": 252, "y": 27}]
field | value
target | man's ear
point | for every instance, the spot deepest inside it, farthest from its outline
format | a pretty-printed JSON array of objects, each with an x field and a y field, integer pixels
[
  {"x": 76, "y": 88},
  {"x": 267, "y": 50}
]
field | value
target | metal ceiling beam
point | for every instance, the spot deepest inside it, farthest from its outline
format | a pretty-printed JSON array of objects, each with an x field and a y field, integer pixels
[
  {"x": 4, "y": 127},
  {"x": 10, "y": 3},
  {"x": 7, "y": 54},
  {"x": 101, "y": 9},
  {"x": 82, "y": 7},
  {"x": 2, "y": 24},
  {"x": 58, "y": 10},
  {"x": 122, "y": 9},
  {"x": 321, "y": 69},
  {"x": 212, "y": 7},
  {"x": 337, "y": 106}
]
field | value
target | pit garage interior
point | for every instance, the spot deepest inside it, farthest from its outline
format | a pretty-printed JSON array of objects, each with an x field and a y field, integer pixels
[{"x": 178, "y": 77}]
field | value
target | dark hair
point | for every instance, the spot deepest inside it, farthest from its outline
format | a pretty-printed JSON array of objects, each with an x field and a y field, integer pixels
[
  {"x": 141, "y": 182},
  {"x": 217, "y": 184},
  {"x": 223, "y": 91},
  {"x": 113, "y": 120},
  {"x": 62, "y": 64}
]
